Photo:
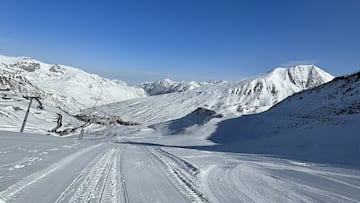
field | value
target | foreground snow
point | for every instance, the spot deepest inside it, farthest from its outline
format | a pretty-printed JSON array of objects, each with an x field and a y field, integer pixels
[{"x": 108, "y": 168}]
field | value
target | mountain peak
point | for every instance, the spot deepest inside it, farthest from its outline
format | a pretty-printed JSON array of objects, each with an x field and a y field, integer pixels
[{"x": 305, "y": 76}]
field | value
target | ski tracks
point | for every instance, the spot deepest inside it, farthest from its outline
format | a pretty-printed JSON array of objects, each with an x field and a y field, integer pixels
[
  {"x": 101, "y": 181},
  {"x": 34, "y": 178},
  {"x": 181, "y": 173}
]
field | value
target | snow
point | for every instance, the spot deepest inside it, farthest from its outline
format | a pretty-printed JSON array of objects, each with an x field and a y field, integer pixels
[
  {"x": 198, "y": 117},
  {"x": 107, "y": 169},
  {"x": 303, "y": 149}
]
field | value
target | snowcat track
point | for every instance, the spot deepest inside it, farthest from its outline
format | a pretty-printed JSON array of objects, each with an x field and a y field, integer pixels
[{"x": 180, "y": 172}]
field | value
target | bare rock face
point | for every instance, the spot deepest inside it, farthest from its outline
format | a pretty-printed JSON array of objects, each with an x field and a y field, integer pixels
[
  {"x": 56, "y": 69},
  {"x": 26, "y": 65},
  {"x": 17, "y": 84}
]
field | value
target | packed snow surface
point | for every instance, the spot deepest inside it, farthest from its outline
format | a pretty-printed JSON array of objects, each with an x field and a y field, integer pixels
[{"x": 133, "y": 165}]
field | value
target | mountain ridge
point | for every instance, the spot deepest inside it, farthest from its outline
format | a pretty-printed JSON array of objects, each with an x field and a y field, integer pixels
[
  {"x": 86, "y": 89},
  {"x": 246, "y": 96},
  {"x": 166, "y": 86}
]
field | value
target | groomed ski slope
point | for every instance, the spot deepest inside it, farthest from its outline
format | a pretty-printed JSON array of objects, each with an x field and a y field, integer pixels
[{"x": 118, "y": 170}]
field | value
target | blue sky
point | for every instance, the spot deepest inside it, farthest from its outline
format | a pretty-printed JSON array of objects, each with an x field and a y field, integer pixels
[{"x": 139, "y": 40}]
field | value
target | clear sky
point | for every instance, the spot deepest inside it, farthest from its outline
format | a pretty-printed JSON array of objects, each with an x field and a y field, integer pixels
[{"x": 139, "y": 40}]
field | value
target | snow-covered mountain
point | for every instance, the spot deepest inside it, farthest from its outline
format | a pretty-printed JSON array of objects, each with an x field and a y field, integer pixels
[
  {"x": 168, "y": 86},
  {"x": 67, "y": 84},
  {"x": 320, "y": 124},
  {"x": 247, "y": 96},
  {"x": 338, "y": 97},
  {"x": 60, "y": 90}
]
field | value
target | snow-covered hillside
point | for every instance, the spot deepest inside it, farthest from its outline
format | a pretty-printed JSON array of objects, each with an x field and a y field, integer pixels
[
  {"x": 168, "y": 86},
  {"x": 247, "y": 96},
  {"x": 320, "y": 125},
  {"x": 179, "y": 126},
  {"x": 60, "y": 90},
  {"x": 66, "y": 84}
]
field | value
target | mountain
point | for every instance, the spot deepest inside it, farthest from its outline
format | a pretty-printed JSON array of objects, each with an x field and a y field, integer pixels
[
  {"x": 168, "y": 86},
  {"x": 67, "y": 84},
  {"x": 60, "y": 90},
  {"x": 316, "y": 125},
  {"x": 247, "y": 96}
]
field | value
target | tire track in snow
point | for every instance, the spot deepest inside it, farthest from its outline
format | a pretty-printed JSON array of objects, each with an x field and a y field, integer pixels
[
  {"x": 180, "y": 172},
  {"x": 10, "y": 193}
]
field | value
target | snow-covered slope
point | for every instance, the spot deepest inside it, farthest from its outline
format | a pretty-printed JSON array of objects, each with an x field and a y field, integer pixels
[
  {"x": 198, "y": 117},
  {"x": 42, "y": 117},
  {"x": 339, "y": 97},
  {"x": 321, "y": 125},
  {"x": 229, "y": 98},
  {"x": 38, "y": 168},
  {"x": 60, "y": 90},
  {"x": 68, "y": 84},
  {"x": 168, "y": 86}
]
